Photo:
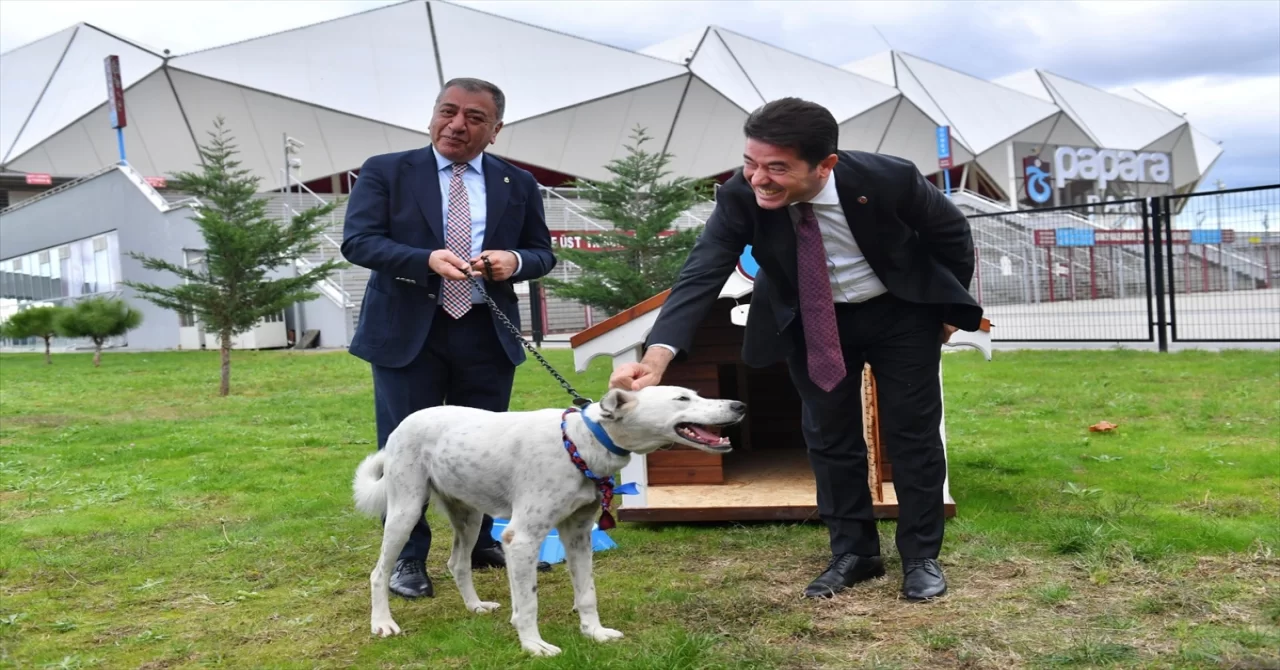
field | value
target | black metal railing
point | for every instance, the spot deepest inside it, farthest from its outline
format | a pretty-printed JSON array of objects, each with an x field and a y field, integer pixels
[{"x": 1201, "y": 267}]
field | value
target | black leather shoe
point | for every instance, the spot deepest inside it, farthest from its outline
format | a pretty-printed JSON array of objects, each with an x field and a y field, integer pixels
[
  {"x": 844, "y": 571},
  {"x": 922, "y": 579},
  {"x": 410, "y": 579},
  {"x": 493, "y": 557}
]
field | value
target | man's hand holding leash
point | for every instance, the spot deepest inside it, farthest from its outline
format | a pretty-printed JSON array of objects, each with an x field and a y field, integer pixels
[
  {"x": 447, "y": 264},
  {"x": 503, "y": 264}
]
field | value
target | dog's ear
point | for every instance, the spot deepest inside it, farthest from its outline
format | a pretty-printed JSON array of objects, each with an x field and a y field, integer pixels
[{"x": 616, "y": 403}]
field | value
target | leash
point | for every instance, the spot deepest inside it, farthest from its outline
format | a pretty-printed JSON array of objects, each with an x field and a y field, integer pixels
[
  {"x": 578, "y": 399},
  {"x": 607, "y": 486}
]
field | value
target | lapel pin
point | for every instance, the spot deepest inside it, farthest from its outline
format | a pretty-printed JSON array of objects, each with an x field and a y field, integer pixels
[
  {"x": 506, "y": 180},
  {"x": 862, "y": 200}
]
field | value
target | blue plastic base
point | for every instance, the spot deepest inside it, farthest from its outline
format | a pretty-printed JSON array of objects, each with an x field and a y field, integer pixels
[{"x": 552, "y": 551}]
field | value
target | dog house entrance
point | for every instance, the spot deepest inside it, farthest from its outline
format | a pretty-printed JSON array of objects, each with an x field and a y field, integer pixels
[{"x": 767, "y": 475}]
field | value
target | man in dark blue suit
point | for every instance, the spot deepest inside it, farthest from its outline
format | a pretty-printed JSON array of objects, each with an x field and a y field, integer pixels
[{"x": 423, "y": 221}]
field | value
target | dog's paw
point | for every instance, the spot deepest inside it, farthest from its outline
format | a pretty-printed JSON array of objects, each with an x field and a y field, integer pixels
[
  {"x": 384, "y": 628},
  {"x": 484, "y": 607},
  {"x": 540, "y": 648},
  {"x": 602, "y": 634}
]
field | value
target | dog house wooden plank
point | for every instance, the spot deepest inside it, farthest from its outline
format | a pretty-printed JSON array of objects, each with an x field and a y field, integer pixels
[
  {"x": 706, "y": 474},
  {"x": 683, "y": 457}
]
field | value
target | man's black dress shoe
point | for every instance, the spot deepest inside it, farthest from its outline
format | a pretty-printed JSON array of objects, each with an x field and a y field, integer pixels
[
  {"x": 410, "y": 579},
  {"x": 844, "y": 571},
  {"x": 922, "y": 579},
  {"x": 493, "y": 557}
]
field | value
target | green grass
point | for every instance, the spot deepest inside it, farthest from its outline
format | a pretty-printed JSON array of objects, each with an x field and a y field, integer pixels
[{"x": 145, "y": 522}]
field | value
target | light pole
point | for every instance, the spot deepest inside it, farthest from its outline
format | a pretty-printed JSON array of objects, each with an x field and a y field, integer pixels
[{"x": 291, "y": 147}]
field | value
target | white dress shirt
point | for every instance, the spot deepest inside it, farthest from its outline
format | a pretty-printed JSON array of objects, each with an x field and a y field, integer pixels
[{"x": 852, "y": 279}]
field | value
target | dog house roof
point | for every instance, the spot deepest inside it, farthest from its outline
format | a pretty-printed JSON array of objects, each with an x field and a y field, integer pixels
[{"x": 628, "y": 329}]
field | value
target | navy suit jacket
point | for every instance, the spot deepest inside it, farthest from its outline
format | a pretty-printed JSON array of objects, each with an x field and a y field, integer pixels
[{"x": 394, "y": 221}]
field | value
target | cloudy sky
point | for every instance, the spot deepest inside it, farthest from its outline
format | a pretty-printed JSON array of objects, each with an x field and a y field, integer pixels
[{"x": 1215, "y": 61}]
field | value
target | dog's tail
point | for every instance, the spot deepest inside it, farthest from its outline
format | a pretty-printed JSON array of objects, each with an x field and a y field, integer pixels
[{"x": 370, "y": 486}]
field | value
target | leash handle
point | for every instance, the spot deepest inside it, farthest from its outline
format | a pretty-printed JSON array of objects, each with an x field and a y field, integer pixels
[{"x": 578, "y": 400}]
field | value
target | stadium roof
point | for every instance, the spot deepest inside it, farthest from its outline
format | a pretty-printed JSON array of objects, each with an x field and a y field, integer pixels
[{"x": 365, "y": 84}]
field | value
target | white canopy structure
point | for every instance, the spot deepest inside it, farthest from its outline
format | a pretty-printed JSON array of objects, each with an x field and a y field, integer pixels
[
  {"x": 364, "y": 84},
  {"x": 1133, "y": 122}
]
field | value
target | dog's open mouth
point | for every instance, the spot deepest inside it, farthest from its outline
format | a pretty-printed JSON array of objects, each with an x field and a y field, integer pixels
[{"x": 704, "y": 435}]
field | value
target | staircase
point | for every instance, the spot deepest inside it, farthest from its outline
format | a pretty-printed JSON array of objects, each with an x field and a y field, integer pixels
[{"x": 1108, "y": 272}]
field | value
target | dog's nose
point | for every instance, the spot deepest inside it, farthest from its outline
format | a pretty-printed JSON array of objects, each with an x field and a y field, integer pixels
[{"x": 738, "y": 407}]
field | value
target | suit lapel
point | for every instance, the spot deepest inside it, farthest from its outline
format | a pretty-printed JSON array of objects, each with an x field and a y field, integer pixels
[
  {"x": 497, "y": 188},
  {"x": 425, "y": 178},
  {"x": 849, "y": 189}
]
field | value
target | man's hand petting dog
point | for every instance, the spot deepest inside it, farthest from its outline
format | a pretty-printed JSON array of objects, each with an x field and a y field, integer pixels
[{"x": 648, "y": 372}]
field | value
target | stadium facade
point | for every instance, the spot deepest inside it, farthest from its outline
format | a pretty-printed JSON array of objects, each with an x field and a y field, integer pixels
[{"x": 364, "y": 84}]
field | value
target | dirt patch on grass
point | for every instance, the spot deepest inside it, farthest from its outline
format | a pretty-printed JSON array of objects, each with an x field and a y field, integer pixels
[
  {"x": 1002, "y": 614},
  {"x": 40, "y": 420}
]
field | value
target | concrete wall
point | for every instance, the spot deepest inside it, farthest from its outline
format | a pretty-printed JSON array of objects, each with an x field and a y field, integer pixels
[
  {"x": 105, "y": 203},
  {"x": 112, "y": 202}
]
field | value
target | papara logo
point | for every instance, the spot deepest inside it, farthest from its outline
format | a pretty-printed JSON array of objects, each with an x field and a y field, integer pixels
[
  {"x": 1037, "y": 180},
  {"x": 1107, "y": 165}
]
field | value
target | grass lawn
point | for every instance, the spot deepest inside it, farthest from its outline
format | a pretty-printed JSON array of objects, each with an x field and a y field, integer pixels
[{"x": 147, "y": 523}]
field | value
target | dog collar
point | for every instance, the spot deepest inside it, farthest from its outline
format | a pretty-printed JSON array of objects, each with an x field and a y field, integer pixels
[
  {"x": 602, "y": 435},
  {"x": 604, "y": 484}
]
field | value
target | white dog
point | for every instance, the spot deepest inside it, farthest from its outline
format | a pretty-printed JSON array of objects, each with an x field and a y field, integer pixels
[{"x": 517, "y": 465}]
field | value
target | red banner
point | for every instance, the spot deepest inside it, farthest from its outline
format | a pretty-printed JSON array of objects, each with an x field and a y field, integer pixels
[
  {"x": 157, "y": 182},
  {"x": 39, "y": 179},
  {"x": 115, "y": 92},
  {"x": 577, "y": 239}
]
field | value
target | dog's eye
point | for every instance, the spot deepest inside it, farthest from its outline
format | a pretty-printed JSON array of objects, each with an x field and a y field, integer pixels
[{"x": 684, "y": 398}]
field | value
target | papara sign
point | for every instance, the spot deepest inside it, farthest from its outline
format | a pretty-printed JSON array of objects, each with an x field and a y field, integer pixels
[{"x": 1107, "y": 165}]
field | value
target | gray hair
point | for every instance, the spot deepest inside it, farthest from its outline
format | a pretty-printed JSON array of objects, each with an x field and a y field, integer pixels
[{"x": 476, "y": 86}]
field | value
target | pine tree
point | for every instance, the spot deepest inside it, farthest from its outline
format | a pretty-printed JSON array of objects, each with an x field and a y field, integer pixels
[
  {"x": 230, "y": 292},
  {"x": 38, "y": 322},
  {"x": 98, "y": 319},
  {"x": 642, "y": 255}
]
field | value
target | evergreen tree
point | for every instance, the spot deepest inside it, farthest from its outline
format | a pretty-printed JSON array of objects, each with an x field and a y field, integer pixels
[
  {"x": 230, "y": 292},
  {"x": 38, "y": 322},
  {"x": 642, "y": 255},
  {"x": 98, "y": 319}
]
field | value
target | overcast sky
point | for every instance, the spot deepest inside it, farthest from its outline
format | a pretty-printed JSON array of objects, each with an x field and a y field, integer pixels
[{"x": 1218, "y": 62}]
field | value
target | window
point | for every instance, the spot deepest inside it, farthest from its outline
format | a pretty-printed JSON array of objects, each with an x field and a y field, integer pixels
[{"x": 77, "y": 268}]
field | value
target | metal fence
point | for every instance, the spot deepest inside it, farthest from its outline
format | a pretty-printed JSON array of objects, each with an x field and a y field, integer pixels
[
  {"x": 1071, "y": 273},
  {"x": 1091, "y": 273},
  {"x": 1221, "y": 262},
  {"x": 1195, "y": 268}
]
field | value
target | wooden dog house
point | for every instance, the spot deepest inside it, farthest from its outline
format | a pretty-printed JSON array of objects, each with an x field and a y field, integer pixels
[{"x": 767, "y": 475}]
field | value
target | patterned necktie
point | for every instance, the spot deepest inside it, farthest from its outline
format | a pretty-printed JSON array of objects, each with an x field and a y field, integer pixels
[
  {"x": 817, "y": 307},
  {"x": 456, "y": 295}
]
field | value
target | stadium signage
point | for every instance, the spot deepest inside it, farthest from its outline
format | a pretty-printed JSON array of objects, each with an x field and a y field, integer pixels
[
  {"x": 576, "y": 239},
  {"x": 115, "y": 92},
  {"x": 1109, "y": 165},
  {"x": 1089, "y": 237}
]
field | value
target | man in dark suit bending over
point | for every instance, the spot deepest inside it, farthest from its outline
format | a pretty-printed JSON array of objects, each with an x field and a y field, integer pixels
[
  {"x": 422, "y": 221},
  {"x": 861, "y": 260}
]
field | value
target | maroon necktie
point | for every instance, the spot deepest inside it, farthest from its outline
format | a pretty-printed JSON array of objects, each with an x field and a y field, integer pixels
[{"x": 817, "y": 307}]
